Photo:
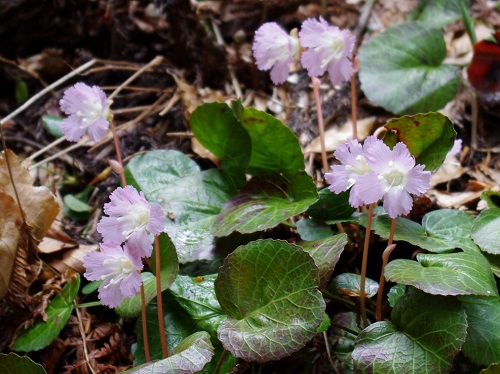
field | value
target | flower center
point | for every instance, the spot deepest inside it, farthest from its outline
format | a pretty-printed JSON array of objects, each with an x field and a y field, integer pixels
[
  {"x": 118, "y": 268},
  {"x": 137, "y": 219},
  {"x": 92, "y": 110},
  {"x": 331, "y": 48},
  {"x": 394, "y": 178}
]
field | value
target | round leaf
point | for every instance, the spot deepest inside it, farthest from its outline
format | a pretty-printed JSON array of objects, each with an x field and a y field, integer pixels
[
  {"x": 482, "y": 345},
  {"x": 442, "y": 230},
  {"x": 266, "y": 202},
  {"x": 190, "y": 356},
  {"x": 429, "y": 137},
  {"x": 464, "y": 273},
  {"x": 41, "y": 333},
  {"x": 424, "y": 335},
  {"x": 268, "y": 290},
  {"x": 485, "y": 231},
  {"x": 402, "y": 71}
]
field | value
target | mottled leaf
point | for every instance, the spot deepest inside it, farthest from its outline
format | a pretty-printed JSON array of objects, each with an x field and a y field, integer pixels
[
  {"x": 190, "y": 356},
  {"x": 464, "y": 273},
  {"x": 325, "y": 253},
  {"x": 265, "y": 202},
  {"x": 429, "y": 137},
  {"x": 268, "y": 290},
  {"x": 424, "y": 335},
  {"x": 191, "y": 198}
]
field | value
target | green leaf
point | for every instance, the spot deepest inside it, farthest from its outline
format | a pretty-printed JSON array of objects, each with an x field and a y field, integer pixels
[
  {"x": 429, "y": 137},
  {"x": 424, "y": 335},
  {"x": 438, "y": 13},
  {"x": 41, "y": 334},
  {"x": 485, "y": 231},
  {"x": 331, "y": 206},
  {"x": 410, "y": 57},
  {"x": 495, "y": 368},
  {"x": 265, "y": 202},
  {"x": 190, "y": 356},
  {"x": 14, "y": 364},
  {"x": 190, "y": 197},
  {"x": 325, "y": 253},
  {"x": 75, "y": 208},
  {"x": 53, "y": 125},
  {"x": 349, "y": 284},
  {"x": 218, "y": 130},
  {"x": 169, "y": 267},
  {"x": 310, "y": 229},
  {"x": 482, "y": 345},
  {"x": 22, "y": 92},
  {"x": 492, "y": 198},
  {"x": 275, "y": 148},
  {"x": 197, "y": 297},
  {"x": 442, "y": 230},
  {"x": 344, "y": 346},
  {"x": 268, "y": 290},
  {"x": 395, "y": 293},
  {"x": 464, "y": 273}
]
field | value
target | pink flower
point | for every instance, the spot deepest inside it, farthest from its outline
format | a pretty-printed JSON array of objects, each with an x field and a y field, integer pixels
[
  {"x": 394, "y": 178},
  {"x": 88, "y": 110},
  {"x": 354, "y": 165},
  {"x": 118, "y": 268},
  {"x": 329, "y": 48},
  {"x": 131, "y": 218},
  {"x": 274, "y": 49}
]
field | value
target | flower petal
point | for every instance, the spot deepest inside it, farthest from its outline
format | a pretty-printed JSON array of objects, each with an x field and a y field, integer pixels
[{"x": 397, "y": 202}]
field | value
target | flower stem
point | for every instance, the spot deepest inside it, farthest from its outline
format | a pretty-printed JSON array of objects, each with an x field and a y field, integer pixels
[
  {"x": 222, "y": 358},
  {"x": 159, "y": 301},
  {"x": 316, "y": 82},
  {"x": 118, "y": 150},
  {"x": 364, "y": 264},
  {"x": 354, "y": 108},
  {"x": 385, "y": 260},
  {"x": 144, "y": 325}
]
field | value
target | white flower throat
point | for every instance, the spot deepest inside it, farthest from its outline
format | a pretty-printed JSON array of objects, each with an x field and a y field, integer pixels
[
  {"x": 332, "y": 46},
  {"x": 137, "y": 219},
  {"x": 92, "y": 111},
  {"x": 394, "y": 177}
]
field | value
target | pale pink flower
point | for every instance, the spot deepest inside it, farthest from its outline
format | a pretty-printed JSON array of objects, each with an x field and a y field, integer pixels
[
  {"x": 394, "y": 177},
  {"x": 131, "y": 218},
  {"x": 353, "y": 165},
  {"x": 456, "y": 149},
  {"x": 274, "y": 49},
  {"x": 328, "y": 48},
  {"x": 119, "y": 269},
  {"x": 88, "y": 110}
]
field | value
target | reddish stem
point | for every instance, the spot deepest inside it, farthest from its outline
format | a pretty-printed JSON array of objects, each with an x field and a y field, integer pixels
[{"x": 316, "y": 83}]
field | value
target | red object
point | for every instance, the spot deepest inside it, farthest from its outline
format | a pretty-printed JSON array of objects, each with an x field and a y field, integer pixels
[{"x": 484, "y": 70}]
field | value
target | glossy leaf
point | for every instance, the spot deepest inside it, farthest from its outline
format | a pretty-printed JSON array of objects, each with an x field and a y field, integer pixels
[
  {"x": 191, "y": 198},
  {"x": 485, "y": 231},
  {"x": 169, "y": 267},
  {"x": 217, "y": 129},
  {"x": 190, "y": 356},
  {"x": 268, "y": 290},
  {"x": 41, "y": 333},
  {"x": 429, "y": 137},
  {"x": 310, "y": 229},
  {"x": 325, "y": 253},
  {"x": 14, "y": 364},
  {"x": 438, "y": 13},
  {"x": 275, "y": 148},
  {"x": 482, "y": 345},
  {"x": 464, "y": 273},
  {"x": 395, "y": 293},
  {"x": 442, "y": 230},
  {"x": 197, "y": 297},
  {"x": 349, "y": 284},
  {"x": 331, "y": 206},
  {"x": 408, "y": 56},
  {"x": 424, "y": 335},
  {"x": 266, "y": 202}
]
